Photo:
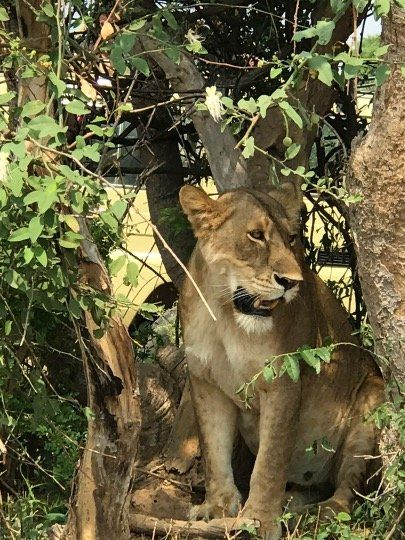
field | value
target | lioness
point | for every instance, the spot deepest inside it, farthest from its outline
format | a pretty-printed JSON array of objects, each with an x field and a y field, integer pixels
[{"x": 249, "y": 266}]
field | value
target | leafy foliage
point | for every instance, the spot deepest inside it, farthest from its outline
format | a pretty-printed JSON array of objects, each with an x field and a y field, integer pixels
[{"x": 63, "y": 155}]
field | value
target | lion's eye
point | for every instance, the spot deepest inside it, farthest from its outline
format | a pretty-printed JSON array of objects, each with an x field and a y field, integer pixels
[
  {"x": 257, "y": 234},
  {"x": 291, "y": 239}
]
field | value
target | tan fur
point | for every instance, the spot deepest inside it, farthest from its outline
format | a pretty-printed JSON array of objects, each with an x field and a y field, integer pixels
[{"x": 285, "y": 418}]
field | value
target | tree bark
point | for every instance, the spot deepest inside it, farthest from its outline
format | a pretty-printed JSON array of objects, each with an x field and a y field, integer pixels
[
  {"x": 100, "y": 502},
  {"x": 378, "y": 221},
  {"x": 227, "y": 164},
  {"x": 162, "y": 190}
]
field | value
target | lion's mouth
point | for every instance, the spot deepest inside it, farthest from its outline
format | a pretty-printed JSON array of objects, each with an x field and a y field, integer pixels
[{"x": 251, "y": 304}]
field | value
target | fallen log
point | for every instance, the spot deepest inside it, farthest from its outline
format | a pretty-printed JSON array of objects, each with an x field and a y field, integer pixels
[{"x": 216, "y": 528}]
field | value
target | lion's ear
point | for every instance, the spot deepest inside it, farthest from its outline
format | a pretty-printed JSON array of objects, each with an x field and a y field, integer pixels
[
  {"x": 290, "y": 199},
  {"x": 203, "y": 212}
]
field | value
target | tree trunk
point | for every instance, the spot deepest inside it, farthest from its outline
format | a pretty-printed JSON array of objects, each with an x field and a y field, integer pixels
[
  {"x": 162, "y": 191},
  {"x": 100, "y": 502},
  {"x": 378, "y": 221}
]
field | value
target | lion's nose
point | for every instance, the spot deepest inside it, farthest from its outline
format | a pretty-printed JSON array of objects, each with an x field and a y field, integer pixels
[{"x": 287, "y": 283}]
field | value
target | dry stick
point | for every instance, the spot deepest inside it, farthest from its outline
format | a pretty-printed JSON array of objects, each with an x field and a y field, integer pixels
[
  {"x": 297, "y": 7},
  {"x": 216, "y": 528},
  {"x": 166, "y": 245},
  {"x": 248, "y": 131},
  {"x": 396, "y": 523}
]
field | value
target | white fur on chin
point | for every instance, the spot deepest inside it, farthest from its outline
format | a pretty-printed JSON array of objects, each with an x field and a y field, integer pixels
[{"x": 254, "y": 324}]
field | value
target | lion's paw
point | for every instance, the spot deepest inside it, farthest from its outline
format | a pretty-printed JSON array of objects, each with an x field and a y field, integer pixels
[
  {"x": 224, "y": 503},
  {"x": 269, "y": 529},
  {"x": 330, "y": 508}
]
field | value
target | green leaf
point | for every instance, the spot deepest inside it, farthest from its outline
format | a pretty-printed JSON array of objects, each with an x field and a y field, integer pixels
[
  {"x": 278, "y": 94},
  {"x": 71, "y": 240},
  {"x": 119, "y": 208},
  {"x": 71, "y": 222},
  {"x": 28, "y": 254},
  {"x": 40, "y": 255},
  {"x": 109, "y": 220},
  {"x": 248, "y": 105},
  {"x": 292, "y": 151},
  {"x": 126, "y": 41},
  {"x": 264, "y": 102},
  {"x": 381, "y": 74},
  {"x": 77, "y": 107},
  {"x": 59, "y": 86},
  {"x": 48, "y": 10},
  {"x": 227, "y": 101},
  {"x": 99, "y": 333},
  {"x": 137, "y": 25},
  {"x": 149, "y": 308},
  {"x": 249, "y": 147},
  {"x": 381, "y": 8},
  {"x": 91, "y": 152},
  {"x": 17, "y": 148},
  {"x": 269, "y": 373},
  {"x": 360, "y": 5},
  {"x": 45, "y": 126},
  {"x": 324, "y": 353},
  {"x": 35, "y": 228},
  {"x": 305, "y": 34},
  {"x": 13, "y": 278},
  {"x": 171, "y": 21},
  {"x": 322, "y": 66},
  {"x": 19, "y": 235},
  {"x": 117, "y": 264},
  {"x": 400, "y": 3},
  {"x": 46, "y": 199},
  {"x": 275, "y": 72},
  {"x": 292, "y": 367},
  {"x": 16, "y": 181},
  {"x": 292, "y": 113},
  {"x": 3, "y": 15},
  {"x": 343, "y": 516},
  {"x": 7, "y": 327},
  {"x": 32, "y": 108},
  {"x": 74, "y": 308},
  {"x": 117, "y": 60},
  {"x": 132, "y": 273},
  {"x": 6, "y": 97},
  {"x": 338, "y": 6},
  {"x": 312, "y": 359},
  {"x": 141, "y": 65},
  {"x": 380, "y": 51},
  {"x": 97, "y": 130},
  {"x": 324, "y": 30}
]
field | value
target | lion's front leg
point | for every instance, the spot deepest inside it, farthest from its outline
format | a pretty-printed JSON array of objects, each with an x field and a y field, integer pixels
[
  {"x": 278, "y": 419},
  {"x": 216, "y": 417}
]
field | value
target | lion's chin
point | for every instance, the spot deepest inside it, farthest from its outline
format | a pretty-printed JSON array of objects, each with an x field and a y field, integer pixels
[{"x": 254, "y": 324}]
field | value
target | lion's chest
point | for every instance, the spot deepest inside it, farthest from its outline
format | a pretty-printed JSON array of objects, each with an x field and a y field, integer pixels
[{"x": 226, "y": 359}]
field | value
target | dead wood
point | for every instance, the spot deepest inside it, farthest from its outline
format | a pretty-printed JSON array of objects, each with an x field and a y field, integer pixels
[
  {"x": 216, "y": 528},
  {"x": 100, "y": 500}
]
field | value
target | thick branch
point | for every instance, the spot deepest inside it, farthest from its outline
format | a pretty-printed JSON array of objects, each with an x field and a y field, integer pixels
[{"x": 227, "y": 164}]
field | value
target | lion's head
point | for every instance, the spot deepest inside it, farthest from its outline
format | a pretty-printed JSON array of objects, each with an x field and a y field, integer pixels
[{"x": 249, "y": 239}]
